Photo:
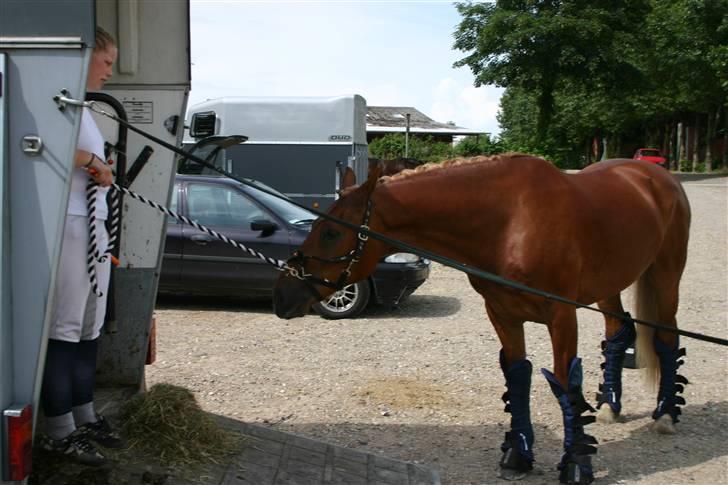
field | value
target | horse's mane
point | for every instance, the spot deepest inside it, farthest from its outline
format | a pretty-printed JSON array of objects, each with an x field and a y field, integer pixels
[{"x": 446, "y": 164}]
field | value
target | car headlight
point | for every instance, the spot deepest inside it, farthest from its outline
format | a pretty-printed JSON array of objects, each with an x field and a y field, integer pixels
[{"x": 402, "y": 258}]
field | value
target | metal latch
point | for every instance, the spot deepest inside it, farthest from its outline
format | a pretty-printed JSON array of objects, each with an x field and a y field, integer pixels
[
  {"x": 63, "y": 99},
  {"x": 32, "y": 144}
]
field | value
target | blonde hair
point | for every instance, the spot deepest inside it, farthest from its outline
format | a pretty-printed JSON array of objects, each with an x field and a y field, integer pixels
[{"x": 103, "y": 40}]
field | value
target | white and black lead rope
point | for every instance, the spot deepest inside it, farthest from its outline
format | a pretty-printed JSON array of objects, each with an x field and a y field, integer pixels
[
  {"x": 114, "y": 215},
  {"x": 93, "y": 255},
  {"x": 275, "y": 262}
]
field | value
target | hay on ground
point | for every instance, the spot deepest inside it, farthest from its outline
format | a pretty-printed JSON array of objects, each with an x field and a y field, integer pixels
[{"x": 167, "y": 423}]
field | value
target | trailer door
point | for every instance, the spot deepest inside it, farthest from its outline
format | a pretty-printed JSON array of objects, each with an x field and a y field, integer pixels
[{"x": 44, "y": 48}]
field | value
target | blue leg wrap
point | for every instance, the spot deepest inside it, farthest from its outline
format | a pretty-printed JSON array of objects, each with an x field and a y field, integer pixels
[
  {"x": 575, "y": 463},
  {"x": 520, "y": 437},
  {"x": 613, "y": 349},
  {"x": 671, "y": 382}
]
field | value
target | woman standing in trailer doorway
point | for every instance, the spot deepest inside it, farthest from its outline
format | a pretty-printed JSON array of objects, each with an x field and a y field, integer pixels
[{"x": 71, "y": 422}]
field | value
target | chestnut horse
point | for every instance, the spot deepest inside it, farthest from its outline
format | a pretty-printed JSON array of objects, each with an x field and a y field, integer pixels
[{"x": 584, "y": 236}]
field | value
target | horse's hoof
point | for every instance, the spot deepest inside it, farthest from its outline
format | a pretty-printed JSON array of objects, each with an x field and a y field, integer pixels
[
  {"x": 605, "y": 415},
  {"x": 664, "y": 425},
  {"x": 512, "y": 475}
]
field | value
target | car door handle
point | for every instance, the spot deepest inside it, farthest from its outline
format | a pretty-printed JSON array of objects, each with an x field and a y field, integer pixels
[{"x": 201, "y": 239}]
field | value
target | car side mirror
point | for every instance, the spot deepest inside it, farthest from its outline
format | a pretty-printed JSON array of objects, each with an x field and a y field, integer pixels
[{"x": 266, "y": 227}]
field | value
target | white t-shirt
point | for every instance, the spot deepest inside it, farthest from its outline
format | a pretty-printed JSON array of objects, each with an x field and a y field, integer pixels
[{"x": 89, "y": 139}]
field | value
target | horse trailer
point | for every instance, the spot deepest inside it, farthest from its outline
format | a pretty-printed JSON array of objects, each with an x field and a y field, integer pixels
[{"x": 300, "y": 146}]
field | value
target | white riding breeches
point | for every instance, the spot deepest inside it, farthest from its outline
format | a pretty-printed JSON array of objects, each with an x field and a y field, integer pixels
[{"x": 78, "y": 314}]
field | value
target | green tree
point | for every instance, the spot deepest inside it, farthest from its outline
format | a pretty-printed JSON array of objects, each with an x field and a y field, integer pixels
[
  {"x": 537, "y": 45},
  {"x": 621, "y": 74},
  {"x": 471, "y": 146},
  {"x": 423, "y": 148}
]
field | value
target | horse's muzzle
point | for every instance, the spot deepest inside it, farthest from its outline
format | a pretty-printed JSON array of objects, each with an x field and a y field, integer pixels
[{"x": 292, "y": 298}]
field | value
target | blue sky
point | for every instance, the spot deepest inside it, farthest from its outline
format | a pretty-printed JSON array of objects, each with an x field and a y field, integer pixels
[{"x": 394, "y": 53}]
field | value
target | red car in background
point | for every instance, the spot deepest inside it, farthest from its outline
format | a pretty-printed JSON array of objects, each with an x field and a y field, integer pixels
[{"x": 652, "y": 155}]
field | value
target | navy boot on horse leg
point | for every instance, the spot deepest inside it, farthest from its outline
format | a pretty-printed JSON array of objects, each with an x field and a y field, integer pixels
[
  {"x": 575, "y": 465},
  {"x": 610, "y": 391},
  {"x": 517, "y": 447},
  {"x": 671, "y": 383}
]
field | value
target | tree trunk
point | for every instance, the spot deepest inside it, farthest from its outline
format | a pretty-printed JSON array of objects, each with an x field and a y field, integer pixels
[
  {"x": 588, "y": 151},
  {"x": 670, "y": 153},
  {"x": 680, "y": 145},
  {"x": 696, "y": 138},
  {"x": 709, "y": 140},
  {"x": 725, "y": 138}
]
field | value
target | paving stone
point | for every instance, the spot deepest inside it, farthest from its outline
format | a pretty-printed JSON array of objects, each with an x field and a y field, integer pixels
[
  {"x": 274, "y": 447},
  {"x": 307, "y": 455},
  {"x": 301, "y": 442},
  {"x": 343, "y": 478},
  {"x": 389, "y": 464},
  {"x": 350, "y": 467},
  {"x": 307, "y": 471},
  {"x": 249, "y": 474},
  {"x": 272, "y": 457},
  {"x": 389, "y": 477},
  {"x": 349, "y": 454},
  {"x": 251, "y": 455}
]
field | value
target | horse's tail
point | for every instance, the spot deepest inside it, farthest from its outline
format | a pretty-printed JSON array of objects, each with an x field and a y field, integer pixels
[{"x": 645, "y": 303}]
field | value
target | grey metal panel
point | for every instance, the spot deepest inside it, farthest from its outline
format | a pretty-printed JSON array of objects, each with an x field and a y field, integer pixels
[
  {"x": 37, "y": 194},
  {"x": 153, "y": 71},
  {"x": 294, "y": 169},
  {"x": 122, "y": 354},
  {"x": 360, "y": 163},
  {"x": 5, "y": 329},
  {"x": 29, "y": 18}
]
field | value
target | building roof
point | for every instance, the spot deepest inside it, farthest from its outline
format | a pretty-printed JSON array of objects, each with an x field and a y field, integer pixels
[{"x": 393, "y": 119}]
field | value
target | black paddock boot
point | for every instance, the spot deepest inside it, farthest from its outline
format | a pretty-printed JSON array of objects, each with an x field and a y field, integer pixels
[
  {"x": 575, "y": 465},
  {"x": 671, "y": 383},
  {"x": 613, "y": 350},
  {"x": 517, "y": 447}
]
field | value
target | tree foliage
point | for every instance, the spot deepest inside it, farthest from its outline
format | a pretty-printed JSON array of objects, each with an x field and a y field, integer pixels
[
  {"x": 581, "y": 73},
  {"x": 427, "y": 149}
]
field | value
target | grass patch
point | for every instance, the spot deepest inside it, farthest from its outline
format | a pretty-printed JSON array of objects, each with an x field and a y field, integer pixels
[{"x": 167, "y": 423}]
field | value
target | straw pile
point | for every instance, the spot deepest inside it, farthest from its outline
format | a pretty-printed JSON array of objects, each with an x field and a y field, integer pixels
[{"x": 167, "y": 423}]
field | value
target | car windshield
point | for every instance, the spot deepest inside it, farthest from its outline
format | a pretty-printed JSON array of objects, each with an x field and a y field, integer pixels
[{"x": 289, "y": 212}]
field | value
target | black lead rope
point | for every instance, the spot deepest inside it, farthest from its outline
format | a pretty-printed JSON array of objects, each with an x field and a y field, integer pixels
[{"x": 412, "y": 249}]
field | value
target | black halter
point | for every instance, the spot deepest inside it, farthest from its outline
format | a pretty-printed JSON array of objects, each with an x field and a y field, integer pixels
[{"x": 296, "y": 266}]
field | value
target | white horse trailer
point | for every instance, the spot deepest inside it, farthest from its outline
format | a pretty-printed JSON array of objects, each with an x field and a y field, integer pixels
[
  {"x": 298, "y": 145},
  {"x": 45, "y": 49}
]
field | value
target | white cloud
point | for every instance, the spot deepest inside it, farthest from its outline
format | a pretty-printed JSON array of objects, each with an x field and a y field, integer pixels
[{"x": 466, "y": 105}]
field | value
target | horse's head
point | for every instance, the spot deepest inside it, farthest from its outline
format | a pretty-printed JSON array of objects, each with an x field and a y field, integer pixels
[{"x": 332, "y": 256}]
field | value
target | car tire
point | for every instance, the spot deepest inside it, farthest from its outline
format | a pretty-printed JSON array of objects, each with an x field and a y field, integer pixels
[{"x": 345, "y": 303}]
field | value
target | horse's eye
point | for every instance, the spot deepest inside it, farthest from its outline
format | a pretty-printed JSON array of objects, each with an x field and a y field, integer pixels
[{"x": 330, "y": 234}]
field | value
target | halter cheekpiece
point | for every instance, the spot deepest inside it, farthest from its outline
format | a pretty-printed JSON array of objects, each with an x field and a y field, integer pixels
[{"x": 296, "y": 266}]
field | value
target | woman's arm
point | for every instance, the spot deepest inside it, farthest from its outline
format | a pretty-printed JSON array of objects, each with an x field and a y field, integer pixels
[{"x": 97, "y": 169}]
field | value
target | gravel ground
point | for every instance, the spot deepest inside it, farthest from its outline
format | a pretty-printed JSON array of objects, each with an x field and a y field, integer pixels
[{"x": 422, "y": 383}]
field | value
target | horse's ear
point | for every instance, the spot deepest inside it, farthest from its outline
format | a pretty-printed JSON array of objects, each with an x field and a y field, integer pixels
[
  {"x": 375, "y": 172},
  {"x": 349, "y": 179}
]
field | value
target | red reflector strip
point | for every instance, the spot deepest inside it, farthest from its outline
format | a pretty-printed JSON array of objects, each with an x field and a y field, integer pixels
[{"x": 20, "y": 441}]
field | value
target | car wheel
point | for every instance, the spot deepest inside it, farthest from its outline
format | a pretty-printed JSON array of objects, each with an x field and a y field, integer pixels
[{"x": 345, "y": 303}]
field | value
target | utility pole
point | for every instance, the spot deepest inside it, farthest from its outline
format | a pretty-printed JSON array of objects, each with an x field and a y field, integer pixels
[{"x": 406, "y": 137}]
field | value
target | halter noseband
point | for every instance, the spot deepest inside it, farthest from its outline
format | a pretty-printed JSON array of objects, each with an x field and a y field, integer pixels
[{"x": 298, "y": 260}]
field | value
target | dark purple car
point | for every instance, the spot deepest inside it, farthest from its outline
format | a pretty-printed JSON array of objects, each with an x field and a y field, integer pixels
[{"x": 195, "y": 263}]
